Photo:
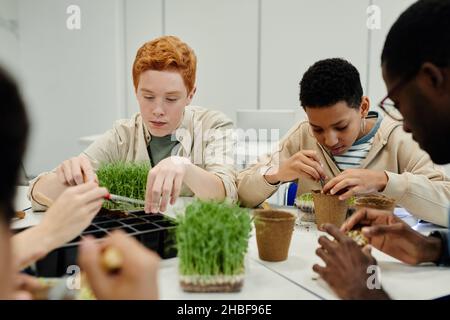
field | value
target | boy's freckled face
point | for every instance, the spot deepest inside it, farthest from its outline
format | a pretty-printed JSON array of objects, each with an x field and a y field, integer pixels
[
  {"x": 162, "y": 97},
  {"x": 335, "y": 127}
]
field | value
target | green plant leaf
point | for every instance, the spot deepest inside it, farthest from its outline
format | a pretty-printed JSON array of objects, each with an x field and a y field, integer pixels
[
  {"x": 212, "y": 238},
  {"x": 125, "y": 179}
]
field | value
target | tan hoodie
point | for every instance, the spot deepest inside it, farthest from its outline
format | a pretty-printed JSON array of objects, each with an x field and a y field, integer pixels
[
  {"x": 417, "y": 184},
  {"x": 205, "y": 137}
]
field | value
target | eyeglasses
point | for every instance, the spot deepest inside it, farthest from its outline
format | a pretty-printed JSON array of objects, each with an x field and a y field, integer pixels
[{"x": 387, "y": 105}]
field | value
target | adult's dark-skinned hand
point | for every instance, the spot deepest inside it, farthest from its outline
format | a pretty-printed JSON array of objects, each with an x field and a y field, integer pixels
[
  {"x": 391, "y": 235},
  {"x": 346, "y": 268}
]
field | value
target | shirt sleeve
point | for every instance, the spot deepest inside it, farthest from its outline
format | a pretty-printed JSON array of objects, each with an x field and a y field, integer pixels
[
  {"x": 219, "y": 154},
  {"x": 106, "y": 148}
]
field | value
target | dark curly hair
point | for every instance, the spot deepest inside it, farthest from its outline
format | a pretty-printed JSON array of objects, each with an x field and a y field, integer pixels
[
  {"x": 421, "y": 34},
  {"x": 330, "y": 81},
  {"x": 13, "y": 133}
]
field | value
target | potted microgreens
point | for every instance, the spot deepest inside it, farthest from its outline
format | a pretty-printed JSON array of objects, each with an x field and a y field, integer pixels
[
  {"x": 212, "y": 240},
  {"x": 329, "y": 209},
  {"x": 125, "y": 179}
]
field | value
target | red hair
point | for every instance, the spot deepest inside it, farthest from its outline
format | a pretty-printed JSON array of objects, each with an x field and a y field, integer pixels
[{"x": 166, "y": 53}]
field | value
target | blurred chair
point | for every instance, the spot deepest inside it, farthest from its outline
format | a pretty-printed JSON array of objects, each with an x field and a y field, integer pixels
[{"x": 290, "y": 194}]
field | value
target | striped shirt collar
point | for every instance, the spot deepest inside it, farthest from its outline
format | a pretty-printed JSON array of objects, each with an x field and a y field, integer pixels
[{"x": 373, "y": 131}]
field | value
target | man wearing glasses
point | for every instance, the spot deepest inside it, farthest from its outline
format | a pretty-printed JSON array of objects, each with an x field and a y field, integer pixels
[{"x": 416, "y": 70}]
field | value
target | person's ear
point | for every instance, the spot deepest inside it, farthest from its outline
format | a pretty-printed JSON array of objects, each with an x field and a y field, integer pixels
[
  {"x": 364, "y": 107},
  {"x": 191, "y": 95},
  {"x": 432, "y": 79}
]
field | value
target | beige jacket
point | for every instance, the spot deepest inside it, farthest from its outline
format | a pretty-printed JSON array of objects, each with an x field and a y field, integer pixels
[
  {"x": 415, "y": 182},
  {"x": 206, "y": 138}
]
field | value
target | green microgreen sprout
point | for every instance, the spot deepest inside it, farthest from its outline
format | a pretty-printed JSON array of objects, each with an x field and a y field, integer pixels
[
  {"x": 125, "y": 179},
  {"x": 212, "y": 238}
]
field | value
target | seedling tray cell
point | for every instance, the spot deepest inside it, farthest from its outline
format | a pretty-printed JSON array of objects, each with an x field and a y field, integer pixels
[
  {"x": 100, "y": 219},
  {"x": 124, "y": 229},
  {"x": 91, "y": 228},
  {"x": 109, "y": 224},
  {"x": 132, "y": 221}
]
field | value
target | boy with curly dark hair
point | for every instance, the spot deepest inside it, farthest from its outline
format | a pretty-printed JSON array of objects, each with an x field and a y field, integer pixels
[{"x": 356, "y": 151}]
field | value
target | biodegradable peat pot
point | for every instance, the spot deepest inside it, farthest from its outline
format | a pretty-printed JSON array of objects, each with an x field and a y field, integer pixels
[
  {"x": 329, "y": 209},
  {"x": 273, "y": 233},
  {"x": 375, "y": 201}
]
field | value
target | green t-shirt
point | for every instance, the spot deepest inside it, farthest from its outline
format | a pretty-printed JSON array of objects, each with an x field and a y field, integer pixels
[{"x": 161, "y": 148}]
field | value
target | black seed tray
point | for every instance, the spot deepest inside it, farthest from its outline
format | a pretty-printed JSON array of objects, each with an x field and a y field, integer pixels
[{"x": 156, "y": 232}]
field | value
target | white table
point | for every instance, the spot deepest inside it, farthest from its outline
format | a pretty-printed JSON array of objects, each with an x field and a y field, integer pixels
[
  {"x": 294, "y": 278},
  {"x": 400, "y": 281},
  {"x": 22, "y": 203},
  {"x": 260, "y": 282}
]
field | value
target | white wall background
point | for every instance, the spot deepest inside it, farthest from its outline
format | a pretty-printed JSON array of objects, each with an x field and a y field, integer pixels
[
  {"x": 224, "y": 37},
  {"x": 73, "y": 80},
  {"x": 251, "y": 55},
  {"x": 143, "y": 22},
  {"x": 297, "y": 33},
  {"x": 9, "y": 35},
  {"x": 390, "y": 10}
]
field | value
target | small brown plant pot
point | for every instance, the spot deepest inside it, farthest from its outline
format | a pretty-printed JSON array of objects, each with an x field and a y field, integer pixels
[
  {"x": 329, "y": 209},
  {"x": 219, "y": 283},
  {"x": 375, "y": 201},
  {"x": 273, "y": 233}
]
